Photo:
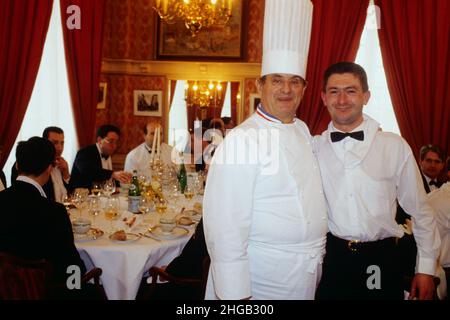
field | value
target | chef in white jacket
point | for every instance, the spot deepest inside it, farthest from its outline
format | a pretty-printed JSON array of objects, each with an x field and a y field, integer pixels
[{"x": 264, "y": 208}]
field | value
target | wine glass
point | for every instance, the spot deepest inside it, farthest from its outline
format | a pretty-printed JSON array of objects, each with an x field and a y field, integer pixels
[
  {"x": 111, "y": 211},
  {"x": 94, "y": 207},
  {"x": 160, "y": 205},
  {"x": 66, "y": 200},
  {"x": 109, "y": 187},
  {"x": 189, "y": 192},
  {"x": 79, "y": 198},
  {"x": 96, "y": 188}
]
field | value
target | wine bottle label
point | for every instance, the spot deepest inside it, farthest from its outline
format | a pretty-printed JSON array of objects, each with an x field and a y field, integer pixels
[{"x": 133, "y": 204}]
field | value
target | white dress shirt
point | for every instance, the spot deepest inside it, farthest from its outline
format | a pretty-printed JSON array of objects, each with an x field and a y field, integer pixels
[
  {"x": 432, "y": 186},
  {"x": 58, "y": 184},
  {"x": 32, "y": 182},
  {"x": 264, "y": 213},
  {"x": 139, "y": 158},
  {"x": 362, "y": 181},
  {"x": 106, "y": 163},
  {"x": 439, "y": 200}
]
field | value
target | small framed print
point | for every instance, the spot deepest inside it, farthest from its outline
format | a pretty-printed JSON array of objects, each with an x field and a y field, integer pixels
[
  {"x": 101, "y": 103},
  {"x": 255, "y": 99},
  {"x": 147, "y": 103}
]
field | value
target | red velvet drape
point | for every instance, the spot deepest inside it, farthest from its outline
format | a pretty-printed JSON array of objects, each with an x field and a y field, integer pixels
[
  {"x": 83, "y": 57},
  {"x": 23, "y": 28},
  {"x": 415, "y": 46},
  {"x": 336, "y": 31}
]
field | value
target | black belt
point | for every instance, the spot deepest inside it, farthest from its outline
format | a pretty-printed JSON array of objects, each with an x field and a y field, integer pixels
[{"x": 359, "y": 246}]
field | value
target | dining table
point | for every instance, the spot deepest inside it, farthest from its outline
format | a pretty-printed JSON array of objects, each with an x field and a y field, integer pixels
[{"x": 125, "y": 263}]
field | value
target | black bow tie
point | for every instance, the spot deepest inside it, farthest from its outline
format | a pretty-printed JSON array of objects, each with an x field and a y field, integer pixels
[
  {"x": 338, "y": 136},
  {"x": 105, "y": 156},
  {"x": 433, "y": 183}
]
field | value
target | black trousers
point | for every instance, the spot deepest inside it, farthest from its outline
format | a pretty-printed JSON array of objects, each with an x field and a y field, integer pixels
[{"x": 361, "y": 271}]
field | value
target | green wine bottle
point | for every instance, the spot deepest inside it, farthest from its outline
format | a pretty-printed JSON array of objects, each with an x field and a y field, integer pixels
[
  {"x": 182, "y": 176},
  {"x": 134, "y": 194}
]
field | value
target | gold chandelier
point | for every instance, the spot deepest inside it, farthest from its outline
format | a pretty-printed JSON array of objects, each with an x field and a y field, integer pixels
[
  {"x": 203, "y": 94},
  {"x": 195, "y": 14}
]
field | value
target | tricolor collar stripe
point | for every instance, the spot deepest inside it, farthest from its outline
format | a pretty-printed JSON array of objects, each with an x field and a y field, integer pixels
[{"x": 265, "y": 115}]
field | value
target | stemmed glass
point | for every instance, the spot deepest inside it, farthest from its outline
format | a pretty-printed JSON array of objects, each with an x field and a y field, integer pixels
[
  {"x": 160, "y": 205},
  {"x": 111, "y": 211},
  {"x": 96, "y": 188},
  {"x": 79, "y": 198},
  {"x": 109, "y": 187},
  {"x": 94, "y": 207}
]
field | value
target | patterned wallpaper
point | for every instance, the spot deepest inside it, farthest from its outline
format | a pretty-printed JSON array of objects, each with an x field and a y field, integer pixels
[
  {"x": 119, "y": 107},
  {"x": 129, "y": 33}
]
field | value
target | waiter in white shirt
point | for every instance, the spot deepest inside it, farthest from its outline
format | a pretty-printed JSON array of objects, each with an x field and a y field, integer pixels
[
  {"x": 139, "y": 158},
  {"x": 364, "y": 172},
  {"x": 264, "y": 209}
]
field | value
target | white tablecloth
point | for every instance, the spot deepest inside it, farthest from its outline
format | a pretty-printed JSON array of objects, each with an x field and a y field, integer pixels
[{"x": 124, "y": 264}]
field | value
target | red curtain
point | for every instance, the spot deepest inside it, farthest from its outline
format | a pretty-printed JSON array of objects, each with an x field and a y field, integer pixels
[
  {"x": 83, "y": 57},
  {"x": 415, "y": 46},
  {"x": 336, "y": 31},
  {"x": 23, "y": 28}
]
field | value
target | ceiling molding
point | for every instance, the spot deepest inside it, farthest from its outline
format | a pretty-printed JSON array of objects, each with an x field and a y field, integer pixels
[{"x": 182, "y": 70}]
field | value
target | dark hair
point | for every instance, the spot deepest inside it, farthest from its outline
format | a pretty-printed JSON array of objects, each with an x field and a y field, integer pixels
[
  {"x": 226, "y": 120},
  {"x": 145, "y": 128},
  {"x": 433, "y": 148},
  {"x": 103, "y": 131},
  {"x": 34, "y": 156},
  {"x": 346, "y": 67},
  {"x": 47, "y": 131}
]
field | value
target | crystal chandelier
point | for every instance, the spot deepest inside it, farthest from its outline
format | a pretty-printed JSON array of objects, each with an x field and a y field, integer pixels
[{"x": 195, "y": 14}]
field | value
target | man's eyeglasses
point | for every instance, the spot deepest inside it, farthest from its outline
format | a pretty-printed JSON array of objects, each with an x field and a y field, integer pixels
[{"x": 115, "y": 142}]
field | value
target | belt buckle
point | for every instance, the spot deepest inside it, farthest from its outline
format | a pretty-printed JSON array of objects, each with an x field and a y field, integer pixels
[{"x": 353, "y": 245}]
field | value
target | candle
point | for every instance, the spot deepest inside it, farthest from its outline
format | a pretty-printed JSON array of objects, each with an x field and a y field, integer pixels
[
  {"x": 153, "y": 146},
  {"x": 158, "y": 150}
]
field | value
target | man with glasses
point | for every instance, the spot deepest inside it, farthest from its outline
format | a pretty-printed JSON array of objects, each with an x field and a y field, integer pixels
[{"x": 93, "y": 163}]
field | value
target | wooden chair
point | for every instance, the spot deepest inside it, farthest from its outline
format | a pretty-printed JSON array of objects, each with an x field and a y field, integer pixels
[
  {"x": 22, "y": 279},
  {"x": 25, "y": 279},
  {"x": 196, "y": 287}
]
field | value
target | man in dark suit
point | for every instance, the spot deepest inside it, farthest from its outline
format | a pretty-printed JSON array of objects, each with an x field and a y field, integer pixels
[
  {"x": 431, "y": 164},
  {"x": 32, "y": 226},
  {"x": 56, "y": 186},
  {"x": 93, "y": 163}
]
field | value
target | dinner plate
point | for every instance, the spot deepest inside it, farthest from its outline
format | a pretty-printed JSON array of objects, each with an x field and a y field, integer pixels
[
  {"x": 92, "y": 234},
  {"x": 131, "y": 237},
  {"x": 177, "y": 232},
  {"x": 193, "y": 214}
]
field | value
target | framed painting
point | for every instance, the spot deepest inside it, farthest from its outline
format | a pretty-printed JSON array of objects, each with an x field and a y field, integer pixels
[
  {"x": 216, "y": 43},
  {"x": 101, "y": 103},
  {"x": 147, "y": 103},
  {"x": 255, "y": 99}
]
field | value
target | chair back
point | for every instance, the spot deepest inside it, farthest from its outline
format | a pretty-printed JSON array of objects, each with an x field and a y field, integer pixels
[{"x": 23, "y": 279}]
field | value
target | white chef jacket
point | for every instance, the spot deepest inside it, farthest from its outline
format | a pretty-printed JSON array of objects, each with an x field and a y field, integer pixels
[
  {"x": 264, "y": 213},
  {"x": 439, "y": 200},
  {"x": 363, "y": 179},
  {"x": 139, "y": 158}
]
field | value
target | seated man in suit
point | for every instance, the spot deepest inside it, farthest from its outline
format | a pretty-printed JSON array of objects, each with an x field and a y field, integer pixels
[
  {"x": 431, "y": 165},
  {"x": 32, "y": 226},
  {"x": 56, "y": 187},
  {"x": 93, "y": 163}
]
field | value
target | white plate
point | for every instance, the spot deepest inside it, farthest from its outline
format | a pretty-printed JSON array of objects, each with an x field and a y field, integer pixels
[
  {"x": 92, "y": 234},
  {"x": 131, "y": 237},
  {"x": 193, "y": 214},
  {"x": 177, "y": 232}
]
